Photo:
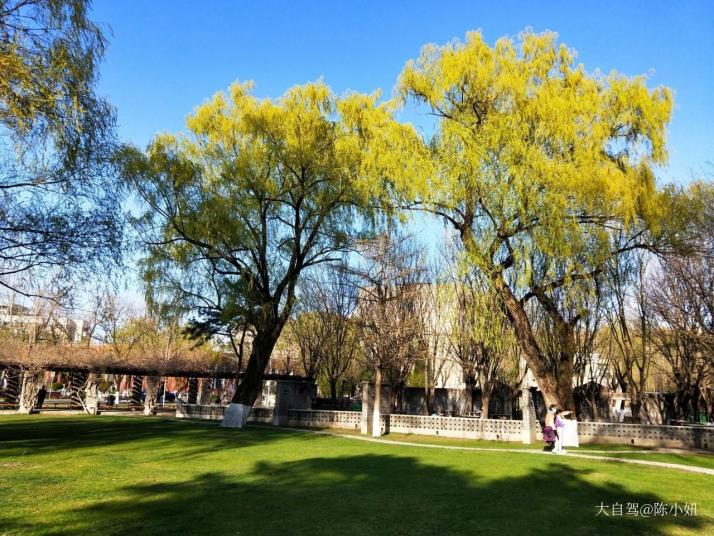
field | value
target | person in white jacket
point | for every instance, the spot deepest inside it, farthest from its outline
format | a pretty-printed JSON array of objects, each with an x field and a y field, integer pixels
[{"x": 560, "y": 425}]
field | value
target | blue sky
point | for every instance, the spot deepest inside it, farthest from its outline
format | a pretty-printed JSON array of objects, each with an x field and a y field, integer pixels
[{"x": 165, "y": 57}]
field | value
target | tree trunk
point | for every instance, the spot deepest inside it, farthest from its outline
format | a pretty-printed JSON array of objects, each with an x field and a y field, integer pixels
[
  {"x": 376, "y": 420},
  {"x": 136, "y": 383},
  {"x": 152, "y": 384},
  {"x": 13, "y": 378},
  {"x": 485, "y": 403},
  {"x": 333, "y": 390},
  {"x": 251, "y": 385},
  {"x": 556, "y": 389},
  {"x": 29, "y": 388},
  {"x": 636, "y": 408},
  {"x": 91, "y": 394},
  {"x": 470, "y": 396},
  {"x": 192, "y": 391},
  {"x": 430, "y": 394},
  {"x": 204, "y": 391},
  {"x": 593, "y": 402}
]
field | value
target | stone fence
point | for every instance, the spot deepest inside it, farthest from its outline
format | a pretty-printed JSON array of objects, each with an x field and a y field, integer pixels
[
  {"x": 647, "y": 435},
  {"x": 643, "y": 435},
  {"x": 216, "y": 413},
  {"x": 460, "y": 427},
  {"x": 306, "y": 418},
  {"x": 526, "y": 430}
]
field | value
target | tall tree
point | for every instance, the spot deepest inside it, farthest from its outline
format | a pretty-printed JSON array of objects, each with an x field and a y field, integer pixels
[
  {"x": 534, "y": 160},
  {"x": 681, "y": 301},
  {"x": 257, "y": 192},
  {"x": 59, "y": 202},
  {"x": 628, "y": 338},
  {"x": 480, "y": 337},
  {"x": 437, "y": 304},
  {"x": 332, "y": 299},
  {"x": 391, "y": 296}
]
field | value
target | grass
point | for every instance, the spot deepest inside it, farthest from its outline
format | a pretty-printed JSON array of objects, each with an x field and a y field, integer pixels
[
  {"x": 695, "y": 458},
  {"x": 133, "y": 475}
]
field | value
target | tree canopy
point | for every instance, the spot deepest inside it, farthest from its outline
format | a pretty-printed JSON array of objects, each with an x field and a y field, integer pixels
[
  {"x": 59, "y": 202},
  {"x": 535, "y": 162},
  {"x": 258, "y": 191}
]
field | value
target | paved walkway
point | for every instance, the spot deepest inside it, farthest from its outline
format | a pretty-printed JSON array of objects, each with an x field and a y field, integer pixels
[{"x": 570, "y": 454}]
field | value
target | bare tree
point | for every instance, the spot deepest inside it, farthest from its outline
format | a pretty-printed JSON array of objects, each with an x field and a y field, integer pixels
[
  {"x": 334, "y": 299},
  {"x": 436, "y": 307},
  {"x": 390, "y": 279},
  {"x": 681, "y": 302},
  {"x": 628, "y": 343},
  {"x": 480, "y": 337}
]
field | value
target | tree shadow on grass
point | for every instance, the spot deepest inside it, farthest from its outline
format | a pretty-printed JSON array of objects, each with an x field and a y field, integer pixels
[
  {"x": 188, "y": 439},
  {"x": 367, "y": 494}
]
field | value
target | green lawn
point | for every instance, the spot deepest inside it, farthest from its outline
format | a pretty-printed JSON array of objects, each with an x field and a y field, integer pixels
[
  {"x": 133, "y": 475},
  {"x": 695, "y": 458}
]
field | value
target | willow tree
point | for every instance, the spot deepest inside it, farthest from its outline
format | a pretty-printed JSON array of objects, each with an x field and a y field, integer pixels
[
  {"x": 256, "y": 192},
  {"x": 535, "y": 161},
  {"x": 59, "y": 208}
]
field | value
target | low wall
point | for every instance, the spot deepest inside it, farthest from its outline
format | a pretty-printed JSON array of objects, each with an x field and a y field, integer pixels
[
  {"x": 647, "y": 435},
  {"x": 644, "y": 435},
  {"x": 460, "y": 427},
  {"x": 349, "y": 420},
  {"x": 216, "y": 413}
]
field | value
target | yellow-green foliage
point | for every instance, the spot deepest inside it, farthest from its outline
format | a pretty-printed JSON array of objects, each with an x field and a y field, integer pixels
[
  {"x": 533, "y": 150},
  {"x": 330, "y": 153}
]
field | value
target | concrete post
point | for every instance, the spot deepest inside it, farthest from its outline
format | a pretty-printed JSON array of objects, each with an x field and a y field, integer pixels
[
  {"x": 529, "y": 427},
  {"x": 291, "y": 394}
]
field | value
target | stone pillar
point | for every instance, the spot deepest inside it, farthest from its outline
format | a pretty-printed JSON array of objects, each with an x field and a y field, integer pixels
[
  {"x": 367, "y": 417},
  {"x": 529, "y": 428},
  {"x": 292, "y": 394},
  {"x": 192, "y": 390}
]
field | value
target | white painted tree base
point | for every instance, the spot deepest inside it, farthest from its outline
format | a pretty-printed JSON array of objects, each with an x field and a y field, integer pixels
[
  {"x": 376, "y": 424},
  {"x": 236, "y": 416}
]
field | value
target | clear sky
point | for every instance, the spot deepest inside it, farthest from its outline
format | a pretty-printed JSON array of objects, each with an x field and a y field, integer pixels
[{"x": 165, "y": 57}]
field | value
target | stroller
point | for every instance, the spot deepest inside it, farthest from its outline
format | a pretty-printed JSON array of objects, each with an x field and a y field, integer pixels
[{"x": 549, "y": 436}]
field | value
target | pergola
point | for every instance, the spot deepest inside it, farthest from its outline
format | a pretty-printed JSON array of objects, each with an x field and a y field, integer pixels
[{"x": 83, "y": 364}]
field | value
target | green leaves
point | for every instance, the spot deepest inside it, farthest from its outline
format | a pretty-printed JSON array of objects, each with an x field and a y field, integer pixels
[{"x": 259, "y": 190}]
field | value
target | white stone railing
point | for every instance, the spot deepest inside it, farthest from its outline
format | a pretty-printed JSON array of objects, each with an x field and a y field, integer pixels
[
  {"x": 412, "y": 424},
  {"x": 461, "y": 427},
  {"x": 200, "y": 411},
  {"x": 647, "y": 435},
  {"x": 216, "y": 413},
  {"x": 324, "y": 419}
]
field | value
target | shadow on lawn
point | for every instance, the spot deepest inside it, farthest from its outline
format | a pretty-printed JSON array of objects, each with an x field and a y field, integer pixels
[
  {"x": 174, "y": 438},
  {"x": 368, "y": 494}
]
